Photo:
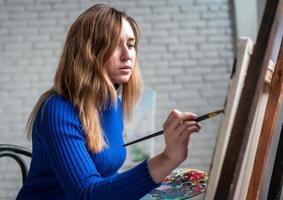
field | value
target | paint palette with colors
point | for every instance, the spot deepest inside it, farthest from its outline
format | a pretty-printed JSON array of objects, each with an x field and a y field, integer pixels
[{"x": 181, "y": 184}]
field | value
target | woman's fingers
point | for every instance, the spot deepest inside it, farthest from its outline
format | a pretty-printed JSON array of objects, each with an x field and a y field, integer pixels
[
  {"x": 176, "y": 118},
  {"x": 173, "y": 120},
  {"x": 188, "y": 131},
  {"x": 187, "y": 127}
]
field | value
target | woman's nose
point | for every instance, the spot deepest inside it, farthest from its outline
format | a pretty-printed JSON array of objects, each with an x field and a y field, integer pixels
[{"x": 125, "y": 54}]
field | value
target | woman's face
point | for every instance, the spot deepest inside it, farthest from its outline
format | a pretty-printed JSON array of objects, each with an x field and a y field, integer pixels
[{"x": 121, "y": 63}]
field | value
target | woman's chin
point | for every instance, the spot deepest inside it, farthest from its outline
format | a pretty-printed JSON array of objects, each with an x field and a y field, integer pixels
[{"x": 121, "y": 80}]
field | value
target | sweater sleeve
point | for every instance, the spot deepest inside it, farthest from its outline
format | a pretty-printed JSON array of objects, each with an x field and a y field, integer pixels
[{"x": 65, "y": 145}]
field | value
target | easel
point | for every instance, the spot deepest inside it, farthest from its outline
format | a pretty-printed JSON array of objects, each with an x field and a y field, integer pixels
[
  {"x": 271, "y": 118},
  {"x": 276, "y": 182},
  {"x": 246, "y": 111}
]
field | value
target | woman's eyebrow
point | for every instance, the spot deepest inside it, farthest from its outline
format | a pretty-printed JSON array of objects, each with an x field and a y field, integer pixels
[{"x": 131, "y": 39}]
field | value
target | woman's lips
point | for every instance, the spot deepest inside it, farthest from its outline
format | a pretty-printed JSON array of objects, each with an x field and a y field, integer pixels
[{"x": 125, "y": 69}]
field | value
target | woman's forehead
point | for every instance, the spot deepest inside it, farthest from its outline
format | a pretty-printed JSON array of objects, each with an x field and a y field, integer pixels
[{"x": 127, "y": 31}]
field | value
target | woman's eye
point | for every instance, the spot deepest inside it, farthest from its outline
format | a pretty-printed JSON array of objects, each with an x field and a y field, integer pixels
[{"x": 131, "y": 45}]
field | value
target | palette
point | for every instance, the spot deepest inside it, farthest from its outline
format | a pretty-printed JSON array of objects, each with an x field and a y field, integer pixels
[{"x": 181, "y": 184}]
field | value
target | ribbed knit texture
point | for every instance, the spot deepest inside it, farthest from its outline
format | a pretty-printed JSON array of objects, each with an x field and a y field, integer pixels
[{"x": 63, "y": 168}]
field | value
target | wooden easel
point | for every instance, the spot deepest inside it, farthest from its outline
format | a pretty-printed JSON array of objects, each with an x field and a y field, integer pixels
[
  {"x": 276, "y": 182},
  {"x": 246, "y": 111},
  {"x": 270, "y": 121}
]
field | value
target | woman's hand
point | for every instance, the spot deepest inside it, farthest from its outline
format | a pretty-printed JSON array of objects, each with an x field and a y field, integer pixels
[{"x": 177, "y": 130}]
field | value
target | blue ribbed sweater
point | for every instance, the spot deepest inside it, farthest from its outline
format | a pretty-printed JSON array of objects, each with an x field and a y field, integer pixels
[{"x": 63, "y": 168}]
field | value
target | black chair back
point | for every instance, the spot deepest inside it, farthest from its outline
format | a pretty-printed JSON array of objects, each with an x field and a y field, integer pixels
[{"x": 16, "y": 152}]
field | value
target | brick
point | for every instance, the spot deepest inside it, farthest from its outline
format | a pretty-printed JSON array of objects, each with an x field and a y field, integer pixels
[
  {"x": 214, "y": 15},
  {"x": 219, "y": 23},
  {"x": 161, "y": 80},
  {"x": 3, "y": 31},
  {"x": 48, "y": 2},
  {"x": 13, "y": 8},
  {"x": 211, "y": 1},
  {"x": 166, "y": 25},
  {"x": 164, "y": 40},
  {"x": 180, "y": 2},
  {"x": 195, "y": 8},
  {"x": 66, "y": 7},
  {"x": 48, "y": 45},
  {"x": 213, "y": 93},
  {"x": 19, "y": 2},
  {"x": 182, "y": 47},
  {"x": 212, "y": 46},
  {"x": 219, "y": 39},
  {"x": 43, "y": 53},
  {"x": 156, "y": 48},
  {"x": 15, "y": 85},
  {"x": 150, "y": 3},
  {"x": 17, "y": 46},
  {"x": 154, "y": 56},
  {"x": 156, "y": 17},
  {"x": 182, "y": 55},
  {"x": 188, "y": 78},
  {"x": 171, "y": 87},
  {"x": 51, "y": 30},
  {"x": 183, "y": 63},
  {"x": 227, "y": 54},
  {"x": 52, "y": 14},
  {"x": 139, "y": 11},
  {"x": 24, "y": 15},
  {"x": 150, "y": 33},
  {"x": 225, "y": 7},
  {"x": 194, "y": 24},
  {"x": 147, "y": 73},
  {"x": 184, "y": 94},
  {"x": 41, "y": 22},
  {"x": 13, "y": 24},
  {"x": 198, "y": 70},
  {"x": 169, "y": 71},
  {"x": 166, "y": 9},
  {"x": 24, "y": 31},
  {"x": 5, "y": 78},
  {"x": 193, "y": 39},
  {"x": 198, "y": 55},
  {"x": 183, "y": 32},
  {"x": 208, "y": 31},
  {"x": 188, "y": 16},
  {"x": 211, "y": 62},
  {"x": 214, "y": 7},
  {"x": 124, "y": 5},
  {"x": 167, "y": 56},
  {"x": 38, "y": 7}
]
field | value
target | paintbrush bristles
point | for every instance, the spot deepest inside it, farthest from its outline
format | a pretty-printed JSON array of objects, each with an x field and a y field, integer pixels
[{"x": 209, "y": 115}]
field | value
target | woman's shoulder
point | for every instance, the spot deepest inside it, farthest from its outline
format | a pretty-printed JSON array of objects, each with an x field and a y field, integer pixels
[
  {"x": 57, "y": 99},
  {"x": 58, "y": 103}
]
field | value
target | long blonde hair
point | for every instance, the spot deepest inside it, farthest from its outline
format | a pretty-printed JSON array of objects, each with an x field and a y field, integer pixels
[{"x": 81, "y": 76}]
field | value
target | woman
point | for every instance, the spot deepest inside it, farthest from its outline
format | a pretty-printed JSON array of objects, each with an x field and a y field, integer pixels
[{"x": 77, "y": 125}]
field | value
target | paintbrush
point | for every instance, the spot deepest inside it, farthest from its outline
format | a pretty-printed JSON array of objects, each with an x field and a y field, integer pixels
[{"x": 203, "y": 117}]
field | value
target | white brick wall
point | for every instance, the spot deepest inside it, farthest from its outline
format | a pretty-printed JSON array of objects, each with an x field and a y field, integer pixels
[{"x": 186, "y": 56}]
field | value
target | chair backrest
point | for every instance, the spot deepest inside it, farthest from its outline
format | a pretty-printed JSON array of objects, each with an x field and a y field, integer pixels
[{"x": 16, "y": 152}]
